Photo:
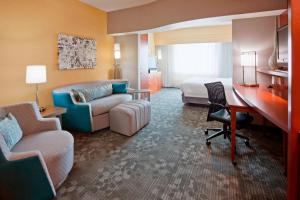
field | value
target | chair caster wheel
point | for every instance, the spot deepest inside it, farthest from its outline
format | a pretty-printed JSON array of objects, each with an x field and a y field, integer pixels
[
  {"x": 206, "y": 132},
  {"x": 247, "y": 143},
  {"x": 208, "y": 143}
]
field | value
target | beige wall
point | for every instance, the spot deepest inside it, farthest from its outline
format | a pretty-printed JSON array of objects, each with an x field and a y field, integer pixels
[
  {"x": 195, "y": 35},
  {"x": 28, "y": 35},
  {"x": 151, "y": 44},
  {"x": 129, "y": 58},
  {"x": 165, "y": 12},
  {"x": 256, "y": 34}
]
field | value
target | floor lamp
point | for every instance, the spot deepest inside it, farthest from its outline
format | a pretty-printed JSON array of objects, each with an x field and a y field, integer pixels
[
  {"x": 36, "y": 74},
  {"x": 117, "y": 55}
]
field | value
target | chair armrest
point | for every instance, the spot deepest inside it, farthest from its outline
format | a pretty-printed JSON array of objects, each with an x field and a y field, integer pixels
[
  {"x": 23, "y": 155},
  {"x": 217, "y": 104},
  {"x": 25, "y": 174},
  {"x": 31, "y": 120}
]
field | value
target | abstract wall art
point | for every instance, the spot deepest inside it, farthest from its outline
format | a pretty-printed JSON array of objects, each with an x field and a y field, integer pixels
[{"x": 76, "y": 52}]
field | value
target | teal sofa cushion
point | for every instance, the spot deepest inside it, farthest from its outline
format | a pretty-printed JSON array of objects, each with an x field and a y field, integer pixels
[
  {"x": 119, "y": 88},
  {"x": 10, "y": 130}
]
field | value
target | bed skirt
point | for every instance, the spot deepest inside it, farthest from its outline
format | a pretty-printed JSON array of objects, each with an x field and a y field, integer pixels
[{"x": 195, "y": 100}]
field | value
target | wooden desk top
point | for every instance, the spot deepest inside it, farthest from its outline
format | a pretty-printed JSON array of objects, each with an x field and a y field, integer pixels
[
  {"x": 233, "y": 100},
  {"x": 265, "y": 102}
]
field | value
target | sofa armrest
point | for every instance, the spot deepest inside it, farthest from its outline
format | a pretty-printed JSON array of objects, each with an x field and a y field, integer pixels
[
  {"x": 30, "y": 119},
  {"x": 78, "y": 116},
  {"x": 25, "y": 175}
]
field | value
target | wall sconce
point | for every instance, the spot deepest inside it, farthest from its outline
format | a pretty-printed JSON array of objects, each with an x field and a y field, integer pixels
[
  {"x": 117, "y": 51},
  {"x": 249, "y": 65},
  {"x": 159, "y": 54},
  {"x": 117, "y": 55}
]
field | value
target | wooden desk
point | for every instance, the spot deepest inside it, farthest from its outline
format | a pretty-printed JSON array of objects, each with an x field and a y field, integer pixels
[
  {"x": 269, "y": 103},
  {"x": 265, "y": 101},
  {"x": 236, "y": 105}
]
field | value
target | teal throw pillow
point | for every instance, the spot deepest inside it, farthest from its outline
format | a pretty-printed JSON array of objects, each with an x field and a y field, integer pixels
[
  {"x": 10, "y": 130},
  {"x": 119, "y": 88}
]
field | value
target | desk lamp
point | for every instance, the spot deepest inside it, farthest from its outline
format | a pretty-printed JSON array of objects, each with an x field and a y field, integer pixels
[{"x": 248, "y": 62}]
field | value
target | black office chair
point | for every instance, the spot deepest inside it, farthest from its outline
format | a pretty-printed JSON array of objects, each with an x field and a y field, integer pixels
[{"x": 219, "y": 111}]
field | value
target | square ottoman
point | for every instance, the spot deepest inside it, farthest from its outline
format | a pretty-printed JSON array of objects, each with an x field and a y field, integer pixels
[{"x": 128, "y": 118}]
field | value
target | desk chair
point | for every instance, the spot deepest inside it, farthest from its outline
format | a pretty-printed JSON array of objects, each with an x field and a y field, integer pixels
[{"x": 218, "y": 111}]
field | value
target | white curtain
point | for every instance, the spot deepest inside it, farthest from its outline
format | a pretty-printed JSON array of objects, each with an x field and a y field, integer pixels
[{"x": 183, "y": 61}]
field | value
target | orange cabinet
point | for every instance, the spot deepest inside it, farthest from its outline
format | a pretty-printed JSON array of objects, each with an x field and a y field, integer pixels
[{"x": 154, "y": 81}]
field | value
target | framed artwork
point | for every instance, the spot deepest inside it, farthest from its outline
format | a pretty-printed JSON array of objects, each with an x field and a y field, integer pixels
[{"x": 76, "y": 52}]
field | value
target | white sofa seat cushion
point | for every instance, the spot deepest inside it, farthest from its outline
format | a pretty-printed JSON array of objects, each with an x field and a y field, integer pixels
[
  {"x": 57, "y": 149},
  {"x": 103, "y": 105}
]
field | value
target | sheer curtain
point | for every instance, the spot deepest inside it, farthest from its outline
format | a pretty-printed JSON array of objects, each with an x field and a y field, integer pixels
[{"x": 183, "y": 61}]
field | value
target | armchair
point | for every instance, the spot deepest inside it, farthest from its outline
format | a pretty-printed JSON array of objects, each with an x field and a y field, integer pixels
[
  {"x": 43, "y": 157},
  {"x": 25, "y": 175}
]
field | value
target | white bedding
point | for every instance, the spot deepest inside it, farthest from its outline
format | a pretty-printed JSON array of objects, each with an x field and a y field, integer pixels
[{"x": 194, "y": 87}]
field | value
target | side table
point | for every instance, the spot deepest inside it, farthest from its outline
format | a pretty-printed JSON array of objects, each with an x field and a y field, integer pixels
[
  {"x": 52, "y": 111},
  {"x": 145, "y": 92}
]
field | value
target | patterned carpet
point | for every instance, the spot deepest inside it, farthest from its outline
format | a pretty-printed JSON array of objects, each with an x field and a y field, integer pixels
[{"x": 169, "y": 159}]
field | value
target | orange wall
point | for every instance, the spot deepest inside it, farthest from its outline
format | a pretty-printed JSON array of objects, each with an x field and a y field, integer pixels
[{"x": 28, "y": 35}]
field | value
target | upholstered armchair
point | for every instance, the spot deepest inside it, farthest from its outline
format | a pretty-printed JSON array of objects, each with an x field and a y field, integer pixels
[{"x": 40, "y": 161}]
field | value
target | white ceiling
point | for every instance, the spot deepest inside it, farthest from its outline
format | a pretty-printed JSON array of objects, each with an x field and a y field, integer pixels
[{"x": 112, "y": 5}]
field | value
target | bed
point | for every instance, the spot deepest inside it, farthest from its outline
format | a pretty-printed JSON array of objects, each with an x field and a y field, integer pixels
[{"x": 194, "y": 91}]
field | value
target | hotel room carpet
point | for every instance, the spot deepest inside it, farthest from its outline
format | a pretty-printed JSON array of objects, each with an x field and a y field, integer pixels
[{"x": 169, "y": 159}]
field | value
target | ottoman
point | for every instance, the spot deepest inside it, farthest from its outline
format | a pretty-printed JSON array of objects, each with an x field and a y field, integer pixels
[{"x": 128, "y": 118}]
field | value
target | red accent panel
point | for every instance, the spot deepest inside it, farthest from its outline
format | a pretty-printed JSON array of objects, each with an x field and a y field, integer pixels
[{"x": 294, "y": 104}]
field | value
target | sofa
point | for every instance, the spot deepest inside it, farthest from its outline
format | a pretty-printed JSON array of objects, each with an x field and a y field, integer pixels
[
  {"x": 42, "y": 142},
  {"x": 90, "y": 116}
]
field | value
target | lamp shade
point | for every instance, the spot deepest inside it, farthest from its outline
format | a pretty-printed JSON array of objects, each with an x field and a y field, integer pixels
[
  {"x": 152, "y": 62},
  {"x": 248, "y": 59},
  {"x": 117, "y": 47},
  {"x": 117, "y": 55},
  {"x": 36, "y": 74}
]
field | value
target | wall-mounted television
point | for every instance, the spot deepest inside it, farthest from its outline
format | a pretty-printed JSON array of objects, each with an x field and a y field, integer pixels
[{"x": 282, "y": 36}]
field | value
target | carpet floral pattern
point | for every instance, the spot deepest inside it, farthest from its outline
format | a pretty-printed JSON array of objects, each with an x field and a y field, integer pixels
[{"x": 169, "y": 160}]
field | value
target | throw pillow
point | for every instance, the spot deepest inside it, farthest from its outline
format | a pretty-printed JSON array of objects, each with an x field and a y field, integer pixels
[
  {"x": 78, "y": 96},
  {"x": 3, "y": 113},
  {"x": 119, "y": 88},
  {"x": 95, "y": 92},
  {"x": 10, "y": 130}
]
